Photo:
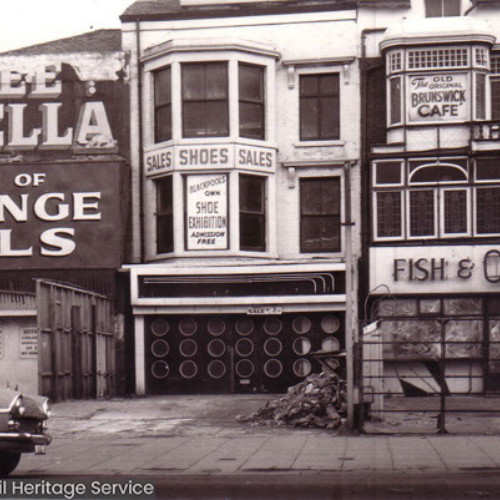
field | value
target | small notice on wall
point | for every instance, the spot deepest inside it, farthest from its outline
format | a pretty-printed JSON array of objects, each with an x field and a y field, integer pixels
[{"x": 28, "y": 343}]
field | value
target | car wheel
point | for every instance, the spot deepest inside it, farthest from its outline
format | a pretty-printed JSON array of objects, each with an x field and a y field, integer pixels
[{"x": 8, "y": 462}]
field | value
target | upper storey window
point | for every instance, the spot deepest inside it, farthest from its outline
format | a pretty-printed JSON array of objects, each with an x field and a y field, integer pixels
[
  {"x": 438, "y": 58},
  {"x": 205, "y": 105},
  {"x": 319, "y": 107},
  {"x": 442, "y": 8},
  {"x": 163, "y": 104},
  {"x": 251, "y": 101}
]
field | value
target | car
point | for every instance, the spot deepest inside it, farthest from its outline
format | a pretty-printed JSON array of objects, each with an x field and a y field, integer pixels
[{"x": 23, "y": 427}]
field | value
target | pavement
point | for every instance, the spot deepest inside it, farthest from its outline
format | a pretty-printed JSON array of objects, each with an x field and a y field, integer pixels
[{"x": 200, "y": 436}]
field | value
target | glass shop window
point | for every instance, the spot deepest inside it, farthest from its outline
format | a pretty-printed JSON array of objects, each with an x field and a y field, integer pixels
[
  {"x": 162, "y": 104},
  {"x": 164, "y": 216},
  {"x": 319, "y": 107},
  {"x": 205, "y": 107},
  {"x": 252, "y": 213},
  {"x": 320, "y": 215},
  {"x": 251, "y": 101}
]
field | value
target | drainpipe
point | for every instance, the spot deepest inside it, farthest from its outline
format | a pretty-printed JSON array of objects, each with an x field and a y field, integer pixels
[{"x": 140, "y": 145}]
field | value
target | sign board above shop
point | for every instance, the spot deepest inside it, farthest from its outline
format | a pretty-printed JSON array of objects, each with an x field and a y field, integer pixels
[
  {"x": 438, "y": 98},
  {"x": 436, "y": 269},
  {"x": 64, "y": 215},
  {"x": 209, "y": 156},
  {"x": 52, "y": 109}
]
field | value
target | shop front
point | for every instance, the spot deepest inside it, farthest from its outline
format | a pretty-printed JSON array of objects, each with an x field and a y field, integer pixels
[
  {"x": 438, "y": 318},
  {"x": 237, "y": 329}
]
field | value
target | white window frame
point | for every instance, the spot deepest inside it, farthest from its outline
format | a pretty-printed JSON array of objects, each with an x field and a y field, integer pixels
[
  {"x": 433, "y": 236},
  {"x": 388, "y": 185},
  {"x": 474, "y": 220},
  {"x": 376, "y": 236},
  {"x": 441, "y": 213}
]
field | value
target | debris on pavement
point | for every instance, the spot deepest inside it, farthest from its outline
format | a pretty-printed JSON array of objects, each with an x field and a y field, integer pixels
[{"x": 318, "y": 401}]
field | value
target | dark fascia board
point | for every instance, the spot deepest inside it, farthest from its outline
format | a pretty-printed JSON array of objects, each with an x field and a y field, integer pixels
[
  {"x": 486, "y": 2},
  {"x": 240, "y": 10}
]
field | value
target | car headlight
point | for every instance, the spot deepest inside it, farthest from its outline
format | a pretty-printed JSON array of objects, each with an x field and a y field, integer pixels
[
  {"x": 47, "y": 408},
  {"x": 19, "y": 407}
]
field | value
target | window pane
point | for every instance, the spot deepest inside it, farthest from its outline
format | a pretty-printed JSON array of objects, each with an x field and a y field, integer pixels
[
  {"x": 455, "y": 212},
  {"x": 480, "y": 96},
  {"x": 422, "y": 213},
  {"x": 251, "y": 120},
  {"x": 487, "y": 168},
  {"x": 495, "y": 99},
  {"x": 433, "y": 8},
  {"x": 488, "y": 210},
  {"x": 395, "y": 100},
  {"x": 193, "y": 81},
  {"x": 310, "y": 197},
  {"x": 206, "y": 119},
  {"x": 216, "y": 81},
  {"x": 163, "y": 121},
  {"x": 389, "y": 214},
  {"x": 162, "y": 87},
  {"x": 164, "y": 218},
  {"x": 330, "y": 196},
  {"x": 252, "y": 232},
  {"x": 320, "y": 234},
  {"x": 309, "y": 127},
  {"x": 251, "y": 83},
  {"x": 451, "y": 7},
  {"x": 438, "y": 173},
  {"x": 309, "y": 86},
  {"x": 251, "y": 194},
  {"x": 329, "y": 118},
  {"x": 388, "y": 173},
  {"x": 329, "y": 85}
]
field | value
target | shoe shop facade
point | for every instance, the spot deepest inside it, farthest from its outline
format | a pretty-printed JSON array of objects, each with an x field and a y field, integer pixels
[
  {"x": 434, "y": 208},
  {"x": 245, "y": 158}
]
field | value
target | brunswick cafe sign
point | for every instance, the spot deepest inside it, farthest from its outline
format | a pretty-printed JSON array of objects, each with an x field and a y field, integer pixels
[
  {"x": 440, "y": 269},
  {"x": 209, "y": 156}
]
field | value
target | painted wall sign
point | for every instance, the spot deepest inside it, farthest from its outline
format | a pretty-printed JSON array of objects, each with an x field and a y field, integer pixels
[
  {"x": 51, "y": 108},
  {"x": 62, "y": 214},
  {"x": 206, "y": 212},
  {"x": 224, "y": 156},
  {"x": 443, "y": 97},
  {"x": 28, "y": 343},
  {"x": 442, "y": 269}
]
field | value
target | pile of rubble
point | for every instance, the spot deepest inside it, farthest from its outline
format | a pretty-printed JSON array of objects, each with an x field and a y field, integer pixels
[{"x": 318, "y": 401}]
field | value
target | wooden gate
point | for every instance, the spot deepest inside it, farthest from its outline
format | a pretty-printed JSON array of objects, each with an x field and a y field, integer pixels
[{"x": 77, "y": 342}]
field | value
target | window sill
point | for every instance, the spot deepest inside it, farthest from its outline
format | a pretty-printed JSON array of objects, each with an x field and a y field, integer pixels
[{"x": 316, "y": 144}]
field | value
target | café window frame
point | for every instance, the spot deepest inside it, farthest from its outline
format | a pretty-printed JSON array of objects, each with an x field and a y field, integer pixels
[
  {"x": 252, "y": 212},
  {"x": 205, "y": 99},
  {"x": 441, "y": 215},
  {"x": 162, "y": 95},
  {"x": 495, "y": 86},
  {"x": 320, "y": 210},
  {"x": 164, "y": 214},
  {"x": 252, "y": 101},
  {"x": 319, "y": 107}
]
